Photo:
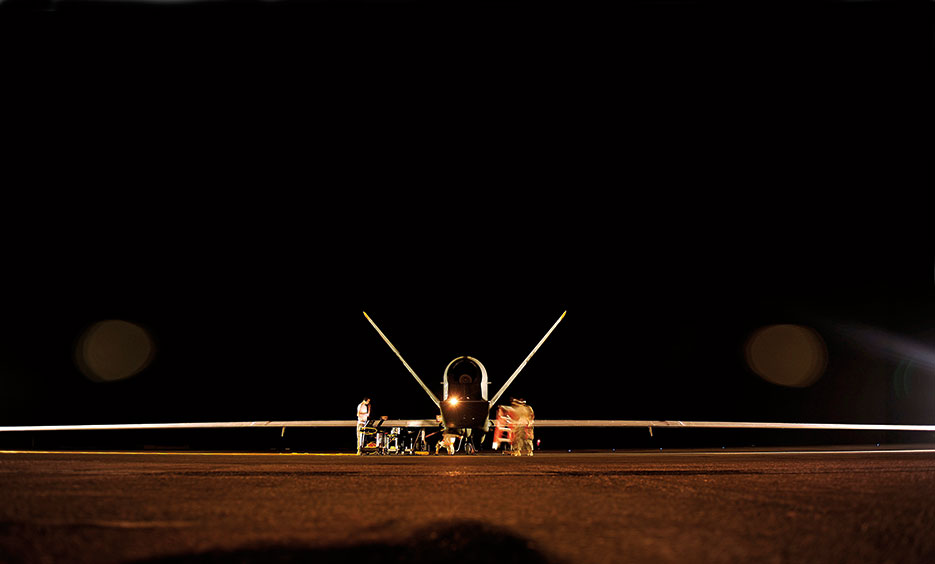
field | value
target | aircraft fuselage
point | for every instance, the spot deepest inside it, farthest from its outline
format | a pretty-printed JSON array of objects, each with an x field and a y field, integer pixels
[{"x": 464, "y": 404}]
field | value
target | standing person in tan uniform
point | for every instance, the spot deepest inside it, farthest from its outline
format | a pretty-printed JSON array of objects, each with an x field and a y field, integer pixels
[{"x": 523, "y": 419}]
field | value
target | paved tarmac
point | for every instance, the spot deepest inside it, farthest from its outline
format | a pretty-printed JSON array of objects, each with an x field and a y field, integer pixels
[{"x": 685, "y": 507}]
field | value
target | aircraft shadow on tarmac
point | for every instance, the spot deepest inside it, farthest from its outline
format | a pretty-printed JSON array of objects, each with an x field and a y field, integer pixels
[{"x": 449, "y": 542}]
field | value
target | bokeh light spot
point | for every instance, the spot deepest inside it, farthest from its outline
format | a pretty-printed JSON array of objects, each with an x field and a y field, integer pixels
[
  {"x": 787, "y": 355},
  {"x": 113, "y": 350},
  {"x": 902, "y": 379}
]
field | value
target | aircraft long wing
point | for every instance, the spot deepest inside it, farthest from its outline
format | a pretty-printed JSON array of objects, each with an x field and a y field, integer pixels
[
  {"x": 538, "y": 423},
  {"x": 726, "y": 425},
  {"x": 221, "y": 425},
  {"x": 523, "y": 364},
  {"x": 406, "y": 364}
]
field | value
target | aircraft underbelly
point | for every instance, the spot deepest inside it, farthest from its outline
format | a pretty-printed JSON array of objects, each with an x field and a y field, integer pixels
[{"x": 470, "y": 414}]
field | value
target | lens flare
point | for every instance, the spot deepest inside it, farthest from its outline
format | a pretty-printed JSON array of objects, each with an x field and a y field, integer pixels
[
  {"x": 113, "y": 350},
  {"x": 787, "y": 355}
]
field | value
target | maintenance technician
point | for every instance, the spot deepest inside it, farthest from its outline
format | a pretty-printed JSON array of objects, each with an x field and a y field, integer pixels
[
  {"x": 363, "y": 415},
  {"x": 524, "y": 419}
]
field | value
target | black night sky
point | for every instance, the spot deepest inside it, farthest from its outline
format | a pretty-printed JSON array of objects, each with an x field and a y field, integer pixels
[{"x": 674, "y": 193}]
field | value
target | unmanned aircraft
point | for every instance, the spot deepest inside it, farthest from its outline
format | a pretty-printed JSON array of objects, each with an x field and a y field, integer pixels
[
  {"x": 464, "y": 409},
  {"x": 464, "y": 406}
]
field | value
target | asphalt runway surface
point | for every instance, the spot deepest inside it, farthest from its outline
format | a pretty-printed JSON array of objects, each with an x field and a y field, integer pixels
[{"x": 688, "y": 506}]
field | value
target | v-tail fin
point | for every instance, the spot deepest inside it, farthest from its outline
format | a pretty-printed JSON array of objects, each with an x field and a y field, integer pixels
[
  {"x": 523, "y": 365},
  {"x": 409, "y": 368}
]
